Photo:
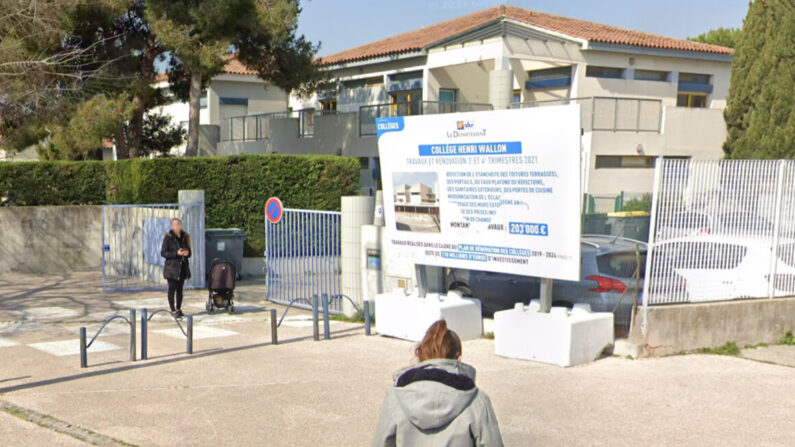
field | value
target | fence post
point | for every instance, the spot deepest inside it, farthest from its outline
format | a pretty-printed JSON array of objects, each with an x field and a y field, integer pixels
[
  {"x": 326, "y": 332},
  {"x": 315, "y": 329},
  {"x": 773, "y": 268},
  {"x": 189, "y": 337},
  {"x": 144, "y": 329},
  {"x": 274, "y": 328},
  {"x": 83, "y": 353},
  {"x": 132, "y": 335},
  {"x": 366, "y": 305}
]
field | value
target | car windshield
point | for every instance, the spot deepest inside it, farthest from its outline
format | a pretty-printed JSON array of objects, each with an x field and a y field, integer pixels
[
  {"x": 621, "y": 264},
  {"x": 690, "y": 220},
  {"x": 700, "y": 255}
]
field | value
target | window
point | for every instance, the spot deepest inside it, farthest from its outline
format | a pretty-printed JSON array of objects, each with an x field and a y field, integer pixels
[
  {"x": 375, "y": 81},
  {"x": 447, "y": 95},
  {"x": 694, "y": 88},
  {"x": 624, "y": 161},
  {"x": 406, "y": 103},
  {"x": 604, "y": 72},
  {"x": 695, "y": 100},
  {"x": 630, "y": 161},
  {"x": 203, "y": 100},
  {"x": 517, "y": 96},
  {"x": 233, "y": 101},
  {"x": 549, "y": 77},
  {"x": 651, "y": 75},
  {"x": 328, "y": 105}
]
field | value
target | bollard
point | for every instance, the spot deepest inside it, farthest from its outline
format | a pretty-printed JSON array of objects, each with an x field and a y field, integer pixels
[
  {"x": 144, "y": 327},
  {"x": 189, "y": 336},
  {"x": 366, "y": 305},
  {"x": 274, "y": 327},
  {"x": 132, "y": 335},
  {"x": 326, "y": 332},
  {"x": 315, "y": 329},
  {"x": 83, "y": 353}
]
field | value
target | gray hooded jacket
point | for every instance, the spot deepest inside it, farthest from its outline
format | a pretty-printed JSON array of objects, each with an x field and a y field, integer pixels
[{"x": 436, "y": 403}]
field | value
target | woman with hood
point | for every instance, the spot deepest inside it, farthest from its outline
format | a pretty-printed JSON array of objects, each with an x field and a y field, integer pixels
[
  {"x": 176, "y": 250},
  {"x": 436, "y": 402}
]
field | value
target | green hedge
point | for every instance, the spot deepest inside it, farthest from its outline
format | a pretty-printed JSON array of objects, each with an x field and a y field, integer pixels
[{"x": 236, "y": 188}]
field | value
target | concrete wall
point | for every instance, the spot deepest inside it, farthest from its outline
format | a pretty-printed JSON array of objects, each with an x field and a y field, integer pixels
[
  {"x": 685, "y": 327},
  {"x": 697, "y": 133},
  {"x": 50, "y": 239}
]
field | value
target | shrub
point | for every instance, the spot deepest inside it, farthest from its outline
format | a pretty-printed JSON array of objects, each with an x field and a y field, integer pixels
[{"x": 236, "y": 188}]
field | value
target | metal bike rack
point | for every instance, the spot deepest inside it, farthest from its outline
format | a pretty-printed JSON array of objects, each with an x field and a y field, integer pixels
[
  {"x": 146, "y": 317},
  {"x": 317, "y": 304},
  {"x": 84, "y": 346}
]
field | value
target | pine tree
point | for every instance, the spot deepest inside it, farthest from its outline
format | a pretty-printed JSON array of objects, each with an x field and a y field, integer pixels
[{"x": 760, "y": 113}]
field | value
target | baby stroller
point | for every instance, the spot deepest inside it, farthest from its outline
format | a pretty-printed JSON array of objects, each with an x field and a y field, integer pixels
[{"x": 221, "y": 286}]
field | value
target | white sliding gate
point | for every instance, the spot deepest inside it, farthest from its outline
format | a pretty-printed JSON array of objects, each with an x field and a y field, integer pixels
[{"x": 721, "y": 230}]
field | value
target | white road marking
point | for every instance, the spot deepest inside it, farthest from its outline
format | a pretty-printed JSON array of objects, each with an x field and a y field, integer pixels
[
  {"x": 44, "y": 313},
  {"x": 148, "y": 303},
  {"x": 6, "y": 343},
  {"x": 199, "y": 332},
  {"x": 72, "y": 347}
]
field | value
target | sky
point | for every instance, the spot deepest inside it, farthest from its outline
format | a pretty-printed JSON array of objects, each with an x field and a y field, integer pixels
[{"x": 343, "y": 24}]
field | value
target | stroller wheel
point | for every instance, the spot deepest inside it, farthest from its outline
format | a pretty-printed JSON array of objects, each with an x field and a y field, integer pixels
[
  {"x": 209, "y": 306},
  {"x": 232, "y": 308}
]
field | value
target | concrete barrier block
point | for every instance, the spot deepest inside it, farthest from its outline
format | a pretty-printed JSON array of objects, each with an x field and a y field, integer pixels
[
  {"x": 407, "y": 316},
  {"x": 559, "y": 337}
]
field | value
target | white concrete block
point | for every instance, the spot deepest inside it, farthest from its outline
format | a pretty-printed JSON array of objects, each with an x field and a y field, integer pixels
[
  {"x": 408, "y": 316},
  {"x": 559, "y": 337}
]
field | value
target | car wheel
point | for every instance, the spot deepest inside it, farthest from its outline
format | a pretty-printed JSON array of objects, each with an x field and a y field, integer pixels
[{"x": 464, "y": 289}]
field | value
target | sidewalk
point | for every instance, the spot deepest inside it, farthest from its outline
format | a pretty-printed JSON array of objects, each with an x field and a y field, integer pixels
[{"x": 237, "y": 389}]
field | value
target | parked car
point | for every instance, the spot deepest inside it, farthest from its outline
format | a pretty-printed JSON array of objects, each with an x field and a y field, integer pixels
[
  {"x": 608, "y": 266},
  {"x": 684, "y": 224}
]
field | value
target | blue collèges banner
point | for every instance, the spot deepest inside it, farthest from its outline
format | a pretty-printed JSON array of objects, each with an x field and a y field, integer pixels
[{"x": 499, "y": 148}]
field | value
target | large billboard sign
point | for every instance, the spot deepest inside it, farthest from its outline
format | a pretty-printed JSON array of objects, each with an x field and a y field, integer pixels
[{"x": 496, "y": 191}]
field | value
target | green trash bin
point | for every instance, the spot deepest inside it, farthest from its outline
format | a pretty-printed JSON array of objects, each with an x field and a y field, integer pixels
[{"x": 224, "y": 243}]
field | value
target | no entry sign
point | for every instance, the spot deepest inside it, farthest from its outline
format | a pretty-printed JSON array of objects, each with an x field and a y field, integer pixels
[{"x": 273, "y": 210}]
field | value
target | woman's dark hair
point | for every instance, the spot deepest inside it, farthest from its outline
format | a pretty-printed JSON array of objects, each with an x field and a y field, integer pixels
[{"x": 439, "y": 343}]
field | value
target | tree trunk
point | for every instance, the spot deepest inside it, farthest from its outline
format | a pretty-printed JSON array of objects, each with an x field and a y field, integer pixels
[
  {"x": 135, "y": 132},
  {"x": 194, "y": 101},
  {"x": 122, "y": 150}
]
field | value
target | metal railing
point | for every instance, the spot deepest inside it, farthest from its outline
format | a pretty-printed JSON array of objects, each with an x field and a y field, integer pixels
[
  {"x": 132, "y": 236},
  {"x": 303, "y": 255},
  {"x": 250, "y": 127},
  {"x": 368, "y": 113},
  {"x": 612, "y": 114},
  {"x": 721, "y": 230}
]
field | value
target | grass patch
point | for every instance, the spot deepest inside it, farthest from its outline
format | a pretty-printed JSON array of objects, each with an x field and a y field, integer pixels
[
  {"x": 756, "y": 346},
  {"x": 788, "y": 339},
  {"x": 358, "y": 318},
  {"x": 488, "y": 335},
  {"x": 730, "y": 348}
]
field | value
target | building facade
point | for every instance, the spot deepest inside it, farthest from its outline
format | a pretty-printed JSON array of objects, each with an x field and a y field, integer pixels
[{"x": 642, "y": 96}]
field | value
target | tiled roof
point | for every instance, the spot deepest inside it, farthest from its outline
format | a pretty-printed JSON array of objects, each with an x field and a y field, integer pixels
[
  {"x": 233, "y": 66},
  {"x": 422, "y": 38}
]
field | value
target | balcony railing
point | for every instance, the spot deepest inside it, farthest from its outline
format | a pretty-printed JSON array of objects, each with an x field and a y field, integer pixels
[
  {"x": 250, "y": 127},
  {"x": 368, "y": 114},
  {"x": 612, "y": 114}
]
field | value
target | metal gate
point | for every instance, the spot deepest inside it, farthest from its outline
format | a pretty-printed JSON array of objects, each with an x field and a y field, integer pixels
[
  {"x": 302, "y": 254},
  {"x": 131, "y": 240}
]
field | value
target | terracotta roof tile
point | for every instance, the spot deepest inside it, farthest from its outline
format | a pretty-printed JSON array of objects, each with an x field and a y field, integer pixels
[
  {"x": 233, "y": 66},
  {"x": 422, "y": 38}
]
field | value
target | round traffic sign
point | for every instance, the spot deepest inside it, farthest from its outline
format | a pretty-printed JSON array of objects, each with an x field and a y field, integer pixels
[{"x": 273, "y": 210}]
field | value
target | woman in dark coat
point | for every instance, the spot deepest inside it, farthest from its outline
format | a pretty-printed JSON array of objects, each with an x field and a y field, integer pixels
[{"x": 176, "y": 250}]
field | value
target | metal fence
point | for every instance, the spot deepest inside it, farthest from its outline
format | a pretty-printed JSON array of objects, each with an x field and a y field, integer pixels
[
  {"x": 302, "y": 255},
  {"x": 368, "y": 114},
  {"x": 612, "y": 114},
  {"x": 250, "y": 127},
  {"x": 721, "y": 230},
  {"x": 131, "y": 239}
]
